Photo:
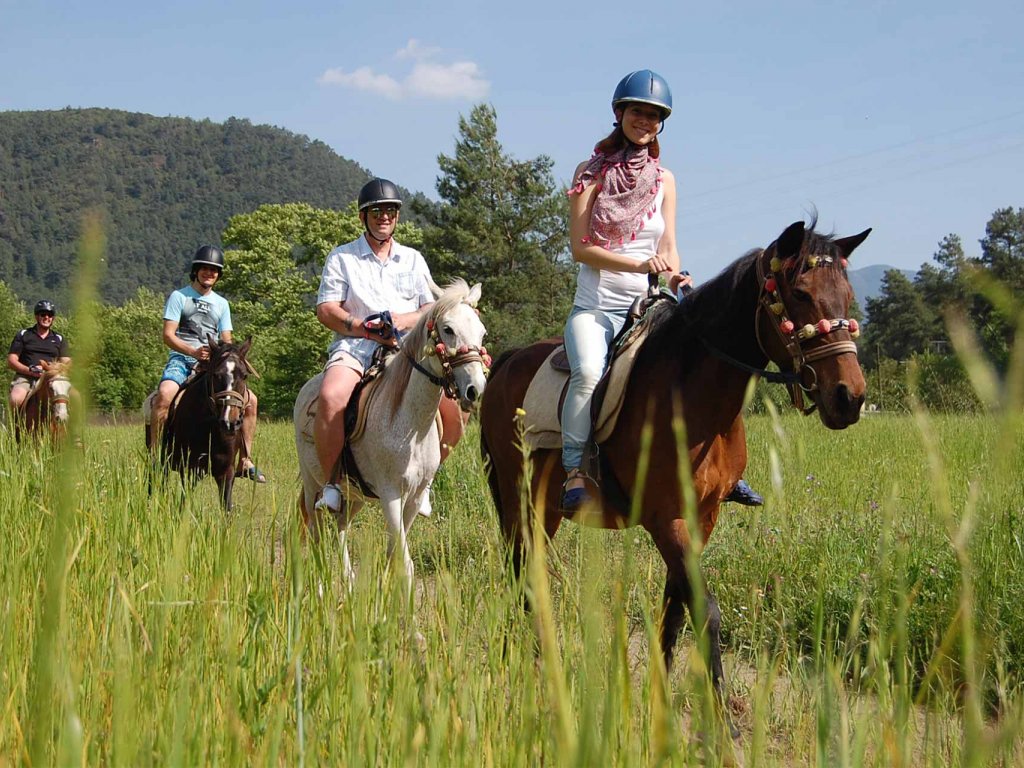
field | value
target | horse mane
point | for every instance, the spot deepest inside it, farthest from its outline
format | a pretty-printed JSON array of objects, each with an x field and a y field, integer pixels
[
  {"x": 399, "y": 368},
  {"x": 710, "y": 312}
]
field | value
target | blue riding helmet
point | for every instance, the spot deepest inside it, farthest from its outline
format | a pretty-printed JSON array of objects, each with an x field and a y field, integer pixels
[{"x": 646, "y": 87}]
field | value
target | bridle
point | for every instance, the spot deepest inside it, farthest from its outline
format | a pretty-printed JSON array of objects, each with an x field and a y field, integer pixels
[
  {"x": 449, "y": 359},
  {"x": 226, "y": 399},
  {"x": 793, "y": 339},
  {"x": 56, "y": 399}
]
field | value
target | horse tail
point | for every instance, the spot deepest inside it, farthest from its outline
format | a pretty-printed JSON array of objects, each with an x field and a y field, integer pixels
[{"x": 485, "y": 451}]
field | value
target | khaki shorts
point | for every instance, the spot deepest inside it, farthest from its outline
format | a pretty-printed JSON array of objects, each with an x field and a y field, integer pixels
[
  {"x": 22, "y": 381},
  {"x": 345, "y": 360}
]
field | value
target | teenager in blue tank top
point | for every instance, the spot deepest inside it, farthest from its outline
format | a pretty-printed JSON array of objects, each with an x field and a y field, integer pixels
[{"x": 193, "y": 316}]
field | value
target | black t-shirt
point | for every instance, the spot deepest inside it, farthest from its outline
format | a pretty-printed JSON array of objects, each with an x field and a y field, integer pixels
[{"x": 31, "y": 349}]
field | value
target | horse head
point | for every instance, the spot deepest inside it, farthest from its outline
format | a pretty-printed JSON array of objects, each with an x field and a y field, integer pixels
[
  {"x": 451, "y": 340},
  {"x": 226, "y": 374},
  {"x": 57, "y": 384},
  {"x": 803, "y": 320}
]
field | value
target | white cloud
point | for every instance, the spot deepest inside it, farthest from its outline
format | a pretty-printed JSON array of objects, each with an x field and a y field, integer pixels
[
  {"x": 461, "y": 80},
  {"x": 362, "y": 79},
  {"x": 427, "y": 80},
  {"x": 414, "y": 50}
]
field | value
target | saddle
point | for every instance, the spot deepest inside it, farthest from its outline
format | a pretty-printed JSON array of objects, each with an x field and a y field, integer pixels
[
  {"x": 546, "y": 392},
  {"x": 363, "y": 395}
]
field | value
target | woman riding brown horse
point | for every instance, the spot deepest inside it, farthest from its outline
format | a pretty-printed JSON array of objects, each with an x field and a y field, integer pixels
[{"x": 787, "y": 303}]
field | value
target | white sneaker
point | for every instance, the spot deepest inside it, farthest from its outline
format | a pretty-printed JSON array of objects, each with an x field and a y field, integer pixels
[
  {"x": 425, "y": 508},
  {"x": 330, "y": 499}
]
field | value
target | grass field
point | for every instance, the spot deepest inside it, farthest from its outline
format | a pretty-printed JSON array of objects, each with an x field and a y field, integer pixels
[{"x": 872, "y": 612}]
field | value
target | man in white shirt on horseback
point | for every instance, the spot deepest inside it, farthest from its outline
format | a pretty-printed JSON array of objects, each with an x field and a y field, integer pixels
[{"x": 372, "y": 290}]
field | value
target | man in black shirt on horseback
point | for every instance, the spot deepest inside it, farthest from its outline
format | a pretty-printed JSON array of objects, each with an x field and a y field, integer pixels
[{"x": 32, "y": 346}]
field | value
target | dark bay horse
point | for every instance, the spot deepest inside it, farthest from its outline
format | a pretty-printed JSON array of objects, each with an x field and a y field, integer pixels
[
  {"x": 203, "y": 432},
  {"x": 787, "y": 303},
  {"x": 46, "y": 406}
]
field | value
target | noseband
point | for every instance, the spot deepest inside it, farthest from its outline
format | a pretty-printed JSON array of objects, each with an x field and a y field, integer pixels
[
  {"x": 449, "y": 360},
  {"x": 793, "y": 339}
]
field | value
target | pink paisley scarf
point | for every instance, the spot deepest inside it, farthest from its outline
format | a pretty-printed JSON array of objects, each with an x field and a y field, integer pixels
[{"x": 627, "y": 183}]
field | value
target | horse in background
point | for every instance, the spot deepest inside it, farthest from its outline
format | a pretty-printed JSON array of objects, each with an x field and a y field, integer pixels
[
  {"x": 399, "y": 450},
  {"x": 203, "y": 431},
  {"x": 787, "y": 303},
  {"x": 47, "y": 406}
]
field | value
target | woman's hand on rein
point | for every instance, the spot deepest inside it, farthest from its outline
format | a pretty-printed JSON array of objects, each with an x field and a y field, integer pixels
[{"x": 656, "y": 265}]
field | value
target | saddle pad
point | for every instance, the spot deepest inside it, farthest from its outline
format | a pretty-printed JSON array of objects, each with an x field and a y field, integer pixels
[
  {"x": 542, "y": 424},
  {"x": 363, "y": 396}
]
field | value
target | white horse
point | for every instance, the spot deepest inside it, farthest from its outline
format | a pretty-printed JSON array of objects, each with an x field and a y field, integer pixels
[{"x": 399, "y": 450}]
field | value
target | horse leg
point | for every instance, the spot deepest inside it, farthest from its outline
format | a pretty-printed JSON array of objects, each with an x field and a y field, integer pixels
[
  {"x": 673, "y": 542},
  {"x": 397, "y": 540},
  {"x": 226, "y": 482}
]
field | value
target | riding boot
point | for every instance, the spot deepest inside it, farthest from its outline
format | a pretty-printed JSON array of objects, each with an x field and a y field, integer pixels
[{"x": 745, "y": 495}]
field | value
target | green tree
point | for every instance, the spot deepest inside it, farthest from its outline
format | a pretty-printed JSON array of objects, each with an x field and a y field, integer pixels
[
  {"x": 1002, "y": 248},
  {"x": 503, "y": 224},
  {"x": 13, "y": 317},
  {"x": 131, "y": 354},
  {"x": 899, "y": 324},
  {"x": 271, "y": 278}
]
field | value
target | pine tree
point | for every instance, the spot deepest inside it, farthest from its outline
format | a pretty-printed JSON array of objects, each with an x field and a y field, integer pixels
[{"x": 503, "y": 224}]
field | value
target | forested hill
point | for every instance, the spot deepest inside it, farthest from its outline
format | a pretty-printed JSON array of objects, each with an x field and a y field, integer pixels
[{"x": 165, "y": 185}]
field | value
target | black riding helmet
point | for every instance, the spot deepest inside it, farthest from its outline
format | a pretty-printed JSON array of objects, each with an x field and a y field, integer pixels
[
  {"x": 209, "y": 255},
  {"x": 377, "y": 191},
  {"x": 45, "y": 307}
]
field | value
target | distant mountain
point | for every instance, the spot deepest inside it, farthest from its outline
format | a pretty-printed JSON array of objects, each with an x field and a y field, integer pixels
[
  {"x": 165, "y": 185},
  {"x": 867, "y": 281}
]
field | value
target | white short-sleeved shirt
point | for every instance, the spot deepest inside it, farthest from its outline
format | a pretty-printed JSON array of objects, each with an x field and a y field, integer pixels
[
  {"x": 354, "y": 277},
  {"x": 614, "y": 291}
]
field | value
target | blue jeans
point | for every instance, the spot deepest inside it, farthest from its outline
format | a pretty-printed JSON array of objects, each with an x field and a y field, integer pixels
[{"x": 588, "y": 334}]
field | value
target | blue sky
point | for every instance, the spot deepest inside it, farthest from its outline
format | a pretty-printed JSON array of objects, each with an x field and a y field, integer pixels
[{"x": 903, "y": 116}]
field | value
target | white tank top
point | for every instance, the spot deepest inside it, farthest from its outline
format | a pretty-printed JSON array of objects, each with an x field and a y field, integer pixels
[{"x": 614, "y": 291}]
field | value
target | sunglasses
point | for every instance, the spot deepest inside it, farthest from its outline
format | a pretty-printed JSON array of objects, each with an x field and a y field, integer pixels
[
  {"x": 44, "y": 314},
  {"x": 380, "y": 210}
]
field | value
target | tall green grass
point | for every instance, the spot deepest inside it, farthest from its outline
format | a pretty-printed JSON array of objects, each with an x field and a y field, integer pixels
[{"x": 183, "y": 636}]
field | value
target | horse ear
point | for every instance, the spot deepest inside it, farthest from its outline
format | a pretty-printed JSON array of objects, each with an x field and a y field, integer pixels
[
  {"x": 211, "y": 342},
  {"x": 244, "y": 349},
  {"x": 791, "y": 241},
  {"x": 846, "y": 245},
  {"x": 474, "y": 295},
  {"x": 435, "y": 289}
]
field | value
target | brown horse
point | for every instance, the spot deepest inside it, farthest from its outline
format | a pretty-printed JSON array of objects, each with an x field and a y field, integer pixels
[
  {"x": 46, "y": 406},
  {"x": 203, "y": 431},
  {"x": 786, "y": 303}
]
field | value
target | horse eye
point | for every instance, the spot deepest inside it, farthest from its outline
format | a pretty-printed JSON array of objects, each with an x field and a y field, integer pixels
[
  {"x": 448, "y": 329},
  {"x": 801, "y": 295}
]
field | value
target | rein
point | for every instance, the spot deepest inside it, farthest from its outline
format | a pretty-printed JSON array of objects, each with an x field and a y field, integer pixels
[{"x": 793, "y": 339}]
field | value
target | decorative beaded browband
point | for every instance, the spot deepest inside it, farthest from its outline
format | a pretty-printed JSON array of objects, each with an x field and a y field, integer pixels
[{"x": 794, "y": 338}]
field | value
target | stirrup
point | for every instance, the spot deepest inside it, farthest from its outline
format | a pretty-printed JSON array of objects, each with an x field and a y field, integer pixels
[{"x": 575, "y": 498}]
